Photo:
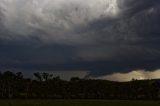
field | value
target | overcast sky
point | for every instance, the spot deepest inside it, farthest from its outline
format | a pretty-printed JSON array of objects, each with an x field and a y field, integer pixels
[{"x": 99, "y": 37}]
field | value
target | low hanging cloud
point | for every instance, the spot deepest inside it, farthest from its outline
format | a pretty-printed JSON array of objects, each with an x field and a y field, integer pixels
[
  {"x": 100, "y": 36},
  {"x": 137, "y": 74}
]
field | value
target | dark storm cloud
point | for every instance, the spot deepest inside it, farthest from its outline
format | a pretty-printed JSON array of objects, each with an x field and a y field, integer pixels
[
  {"x": 102, "y": 36},
  {"x": 31, "y": 55}
]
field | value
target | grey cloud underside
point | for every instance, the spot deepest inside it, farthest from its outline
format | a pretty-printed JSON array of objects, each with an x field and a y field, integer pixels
[{"x": 101, "y": 43}]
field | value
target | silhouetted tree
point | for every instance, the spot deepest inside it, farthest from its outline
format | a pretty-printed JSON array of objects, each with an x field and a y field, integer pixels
[
  {"x": 38, "y": 76},
  {"x": 14, "y": 85}
]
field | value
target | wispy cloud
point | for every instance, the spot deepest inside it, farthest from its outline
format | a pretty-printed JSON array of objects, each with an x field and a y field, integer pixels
[{"x": 55, "y": 20}]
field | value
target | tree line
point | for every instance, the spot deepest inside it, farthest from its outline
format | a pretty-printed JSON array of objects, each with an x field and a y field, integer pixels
[{"x": 45, "y": 86}]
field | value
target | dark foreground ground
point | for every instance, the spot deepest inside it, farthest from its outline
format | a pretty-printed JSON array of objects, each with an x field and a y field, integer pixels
[{"x": 77, "y": 103}]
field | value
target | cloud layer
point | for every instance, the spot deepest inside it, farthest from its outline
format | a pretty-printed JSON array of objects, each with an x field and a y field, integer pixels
[
  {"x": 100, "y": 36},
  {"x": 54, "y": 20}
]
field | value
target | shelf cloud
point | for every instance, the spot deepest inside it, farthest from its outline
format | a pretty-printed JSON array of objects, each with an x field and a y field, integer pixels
[{"x": 100, "y": 36}]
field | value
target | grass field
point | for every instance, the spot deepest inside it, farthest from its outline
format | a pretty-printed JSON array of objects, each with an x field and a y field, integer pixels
[{"x": 77, "y": 103}]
